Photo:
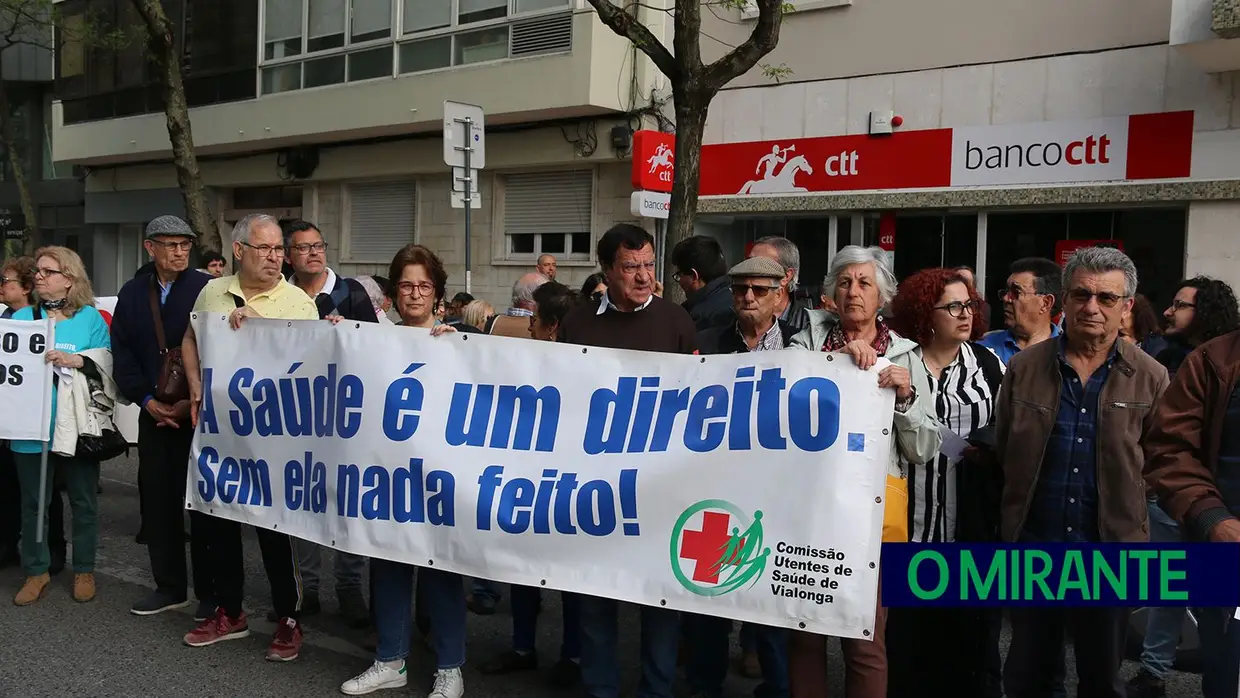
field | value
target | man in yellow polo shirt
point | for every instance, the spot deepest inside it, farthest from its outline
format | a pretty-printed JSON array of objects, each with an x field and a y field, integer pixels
[{"x": 258, "y": 290}]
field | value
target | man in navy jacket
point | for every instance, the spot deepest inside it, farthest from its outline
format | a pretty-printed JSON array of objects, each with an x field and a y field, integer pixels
[{"x": 164, "y": 431}]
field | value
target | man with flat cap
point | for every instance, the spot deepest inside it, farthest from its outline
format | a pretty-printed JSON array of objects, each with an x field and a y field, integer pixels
[{"x": 152, "y": 313}]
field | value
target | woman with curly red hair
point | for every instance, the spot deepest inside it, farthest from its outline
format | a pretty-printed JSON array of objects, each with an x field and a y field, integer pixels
[{"x": 948, "y": 650}]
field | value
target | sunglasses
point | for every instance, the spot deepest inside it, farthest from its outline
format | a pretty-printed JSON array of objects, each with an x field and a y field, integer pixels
[
  {"x": 1105, "y": 299},
  {"x": 741, "y": 290}
]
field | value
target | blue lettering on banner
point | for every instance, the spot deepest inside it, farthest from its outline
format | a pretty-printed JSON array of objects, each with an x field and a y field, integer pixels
[
  {"x": 286, "y": 405},
  {"x": 404, "y": 495},
  {"x": 243, "y": 481},
  {"x": 556, "y": 502},
  {"x": 520, "y": 413},
  {"x": 305, "y": 485}
]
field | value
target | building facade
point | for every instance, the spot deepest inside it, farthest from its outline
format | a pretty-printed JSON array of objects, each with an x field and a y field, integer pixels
[
  {"x": 978, "y": 169},
  {"x": 332, "y": 111}
]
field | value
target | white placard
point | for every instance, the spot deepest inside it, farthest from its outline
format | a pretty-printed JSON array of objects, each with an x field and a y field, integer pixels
[{"x": 25, "y": 380}]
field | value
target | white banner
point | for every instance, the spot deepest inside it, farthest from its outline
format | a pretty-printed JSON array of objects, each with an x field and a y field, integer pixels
[
  {"x": 745, "y": 486},
  {"x": 25, "y": 380}
]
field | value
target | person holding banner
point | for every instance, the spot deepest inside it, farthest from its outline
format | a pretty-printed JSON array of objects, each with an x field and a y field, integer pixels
[
  {"x": 629, "y": 315},
  {"x": 863, "y": 283},
  {"x": 258, "y": 290},
  {"x": 152, "y": 314},
  {"x": 64, "y": 293},
  {"x": 419, "y": 283}
]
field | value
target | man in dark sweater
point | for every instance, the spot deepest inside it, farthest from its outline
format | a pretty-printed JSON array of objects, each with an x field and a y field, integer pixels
[
  {"x": 628, "y": 316},
  {"x": 164, "y": 432},
  {"x": 703, "y": 275}
]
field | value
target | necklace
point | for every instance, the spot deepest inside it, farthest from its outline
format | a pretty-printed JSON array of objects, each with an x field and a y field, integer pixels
[{"x": 54, "y": 305}]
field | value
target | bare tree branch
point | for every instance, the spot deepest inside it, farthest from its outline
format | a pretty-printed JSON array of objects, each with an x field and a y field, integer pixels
[
  {"x": 761, "y": 41},
  {"x": 625, "y": 25}
]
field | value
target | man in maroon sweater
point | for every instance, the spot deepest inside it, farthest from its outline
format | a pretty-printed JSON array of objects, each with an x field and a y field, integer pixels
[{"x": 628, "y": 316}]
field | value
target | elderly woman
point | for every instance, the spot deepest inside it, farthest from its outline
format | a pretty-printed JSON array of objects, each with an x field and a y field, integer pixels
[
  {"x": 949, "y": 651},
  {"x": 64, "y": 293},
  {"x": 417, "y": 286},
  {"x": 861, "y": 282}
]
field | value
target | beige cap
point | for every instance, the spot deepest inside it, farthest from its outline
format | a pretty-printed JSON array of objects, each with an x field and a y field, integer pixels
[{"x": 760, "y": 267}]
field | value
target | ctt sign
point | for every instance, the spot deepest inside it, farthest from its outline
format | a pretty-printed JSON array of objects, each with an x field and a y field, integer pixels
[
  {"x": 650, "y": 204},
  {"x": 654, "y": 157}
]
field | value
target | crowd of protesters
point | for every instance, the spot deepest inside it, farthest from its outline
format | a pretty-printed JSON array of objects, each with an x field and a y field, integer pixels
[{"x": 1088, "y": 417}]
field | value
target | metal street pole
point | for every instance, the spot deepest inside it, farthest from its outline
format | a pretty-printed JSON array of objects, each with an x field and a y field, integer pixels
[{"x": 467, "y": 151}]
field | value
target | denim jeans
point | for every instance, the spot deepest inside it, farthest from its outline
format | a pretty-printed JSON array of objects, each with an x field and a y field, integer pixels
[
  {"x": 348, "y": 568},
  {"x": 1163, "y": 624},
  {"x": 1220, "y": 651},
  {"x": 526, "y": 602},
  {"x": 81, "y": 480},
  {"x": 600, "y": 667},
  {"x": 707, "y": 666},
  {"x": 393, "y": 611}
]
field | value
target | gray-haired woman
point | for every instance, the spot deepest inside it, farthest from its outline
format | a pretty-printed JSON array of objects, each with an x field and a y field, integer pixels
[{"x": 861, "y": 283}]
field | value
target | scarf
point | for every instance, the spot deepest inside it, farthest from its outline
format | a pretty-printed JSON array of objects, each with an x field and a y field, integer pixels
[
  {"x": 54, "y": 305},
  {"x": 836, "y": 340}
]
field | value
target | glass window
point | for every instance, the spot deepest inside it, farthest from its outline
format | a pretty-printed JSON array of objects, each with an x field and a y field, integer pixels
[
  {"x": 375, "y": 63},
  {"x": 325, "y": 71},
  {"x": 371, "y": 19},
  {"x": 72, "y": 52},
  {"x": 480, "y": 46},
  {"x": 326, "y": 29},
  {"x": 522, "y": 243},
  {"x": 536, "y": 5},
  {"x": 480, "y": 10},
  {"x": 281, "y": 78},
  {"x": 552, "y": 244},
  {"x": 424, "y": 15},
  {"x": 282, "y": 29},
  {"x": 581, "y": 244},
  {"x": 49, "y": 166},
  {"x": 430, "y": 54}
]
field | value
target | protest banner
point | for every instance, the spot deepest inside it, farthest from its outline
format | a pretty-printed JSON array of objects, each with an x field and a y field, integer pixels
[
  {"x": 25, "y": 380},
  {"x": 745, "y": 486}
]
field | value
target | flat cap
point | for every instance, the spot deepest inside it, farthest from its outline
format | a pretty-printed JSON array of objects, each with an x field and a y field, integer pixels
[
  {"x": 169, "y": 225},
  {"x": 760, "y": 267}
]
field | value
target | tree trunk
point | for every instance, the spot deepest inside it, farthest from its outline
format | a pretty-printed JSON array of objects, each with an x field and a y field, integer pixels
[
  {"x": 162, "y": 45},
  {"x": 29, "y": 211},
  {"x": 690, "y": 129}
]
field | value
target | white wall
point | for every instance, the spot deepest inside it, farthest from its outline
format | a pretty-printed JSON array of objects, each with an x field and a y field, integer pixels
[{"x": 1213, "y": 247}]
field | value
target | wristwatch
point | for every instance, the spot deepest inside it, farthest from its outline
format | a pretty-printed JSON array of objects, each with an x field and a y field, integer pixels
[{"x": 903, "y": 405}]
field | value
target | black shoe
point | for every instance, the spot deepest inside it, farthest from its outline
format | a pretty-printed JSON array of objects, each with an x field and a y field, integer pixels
[
  {"x": 1146, "y": 685},
  {"x": 205, "y": 610},
  {"x": 565, "y": 674},
  {"x": 158, "y": 602},
  {"x": 480, "y": 606},
  {"x": 353, "y": 608},
  {"x": 309, "y": 606},
  {"x": 511, "y": 661},
  {"x": 58, "y": 562}
]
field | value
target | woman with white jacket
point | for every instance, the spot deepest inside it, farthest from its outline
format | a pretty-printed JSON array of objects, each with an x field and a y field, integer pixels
[
  {"x": 64, "y": 293},
  {"x": 860, "y": 282}
]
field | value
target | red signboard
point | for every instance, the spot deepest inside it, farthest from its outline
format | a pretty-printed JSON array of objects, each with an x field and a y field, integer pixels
[
  {"x": 653, "y": 160},
  {"x": 1064, "y": 249},
  {"x": 887, "y": 232}
]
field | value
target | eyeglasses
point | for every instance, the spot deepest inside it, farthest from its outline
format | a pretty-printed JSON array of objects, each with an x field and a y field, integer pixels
[
  {"x": 740, "y": 290},
  {"x": 308, "y": 247},
  {"x": 957, "y": 309},
  {"x": 5, "y": 279},
  {"x": 681, "y": 274},
  {"x": 266, "y": 250},
  {"x": 1015, "y": 292},
  {"x": 1105, "y": 299},
  {"x": 407, "y": 288},
  {"x": 1180, "y": 305},
  {"x": 178, "y": 245},
  {"x": 41, "y": 271}
]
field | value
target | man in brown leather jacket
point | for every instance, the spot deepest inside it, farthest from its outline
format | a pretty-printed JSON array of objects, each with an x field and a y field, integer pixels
[
  {"x": 1069, "y": 422},
  {"x": 1193, "y": 465}
]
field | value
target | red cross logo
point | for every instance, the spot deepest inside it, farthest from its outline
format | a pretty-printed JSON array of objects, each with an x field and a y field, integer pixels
[{"x": 705, "y": 547}]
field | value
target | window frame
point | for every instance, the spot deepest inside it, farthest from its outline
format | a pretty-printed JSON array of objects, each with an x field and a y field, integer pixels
[{"x": 568, "y": 255}]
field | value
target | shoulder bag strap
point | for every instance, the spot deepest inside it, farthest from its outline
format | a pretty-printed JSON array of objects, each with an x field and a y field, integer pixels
[{"x": 157, "y": 317}]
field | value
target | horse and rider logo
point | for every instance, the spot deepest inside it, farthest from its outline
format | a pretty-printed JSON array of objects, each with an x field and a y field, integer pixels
[
  {"x": 778, "y": 172},
  {"x": 663, "y": 159}
]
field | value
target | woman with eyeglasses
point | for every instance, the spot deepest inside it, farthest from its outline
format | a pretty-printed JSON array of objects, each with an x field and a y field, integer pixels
[
  {"x": 948, "y": 650},
  {"x": 418, "y": 284},
  {"x": 594, "y": 287}
]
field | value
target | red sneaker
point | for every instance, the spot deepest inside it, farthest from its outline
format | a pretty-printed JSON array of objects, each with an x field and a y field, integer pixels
[
  {"x": 217, "y": 628},
  {"x": 286, "y": 644}
]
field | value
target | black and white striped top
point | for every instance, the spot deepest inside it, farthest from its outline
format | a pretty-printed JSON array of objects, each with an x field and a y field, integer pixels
[{"x": 965, "y": 402}]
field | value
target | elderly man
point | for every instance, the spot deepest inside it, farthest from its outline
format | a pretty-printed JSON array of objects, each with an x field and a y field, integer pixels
[
  {"x": 151, "y": 316},
  {"x": 1070, "y": 418},
  {"x": 257, "y": 290},
  {"x": 785, "y": 252},
  {"x": 546, "y": 266},
  {"x": 1030, "y": 303},
  {"x": 515, "y": 322},
  {"x": 306, "y": 251},
  {"x": 628, "y": 316},
  {"x": 755, "y": 289}
]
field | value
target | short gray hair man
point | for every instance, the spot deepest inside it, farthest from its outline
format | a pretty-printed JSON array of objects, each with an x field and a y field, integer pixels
[
  {"x": 245, "y": 227},
  {"x": 1100, "y": 260},
  {"x": 789, "y": 256},
  {"x": 855, "y": 254},
  {"x": 523, "y": 290}
]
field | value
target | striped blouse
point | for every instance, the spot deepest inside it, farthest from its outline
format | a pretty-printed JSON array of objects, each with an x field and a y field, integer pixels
[{"x": 964, "y": 402}]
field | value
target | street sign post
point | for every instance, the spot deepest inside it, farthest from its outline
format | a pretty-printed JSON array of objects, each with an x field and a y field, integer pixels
[{"x": 464, "y": 150}]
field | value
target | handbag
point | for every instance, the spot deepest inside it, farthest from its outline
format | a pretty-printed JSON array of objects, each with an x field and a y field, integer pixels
[
  {"x": 108, "y": 445},
  {"x": 172, "y": 385}
]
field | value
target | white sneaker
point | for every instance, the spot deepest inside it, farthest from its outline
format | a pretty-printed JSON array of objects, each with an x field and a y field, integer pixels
[
  {"x": 448, "y": 684},
  {"x": 378, "y": 677}
]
